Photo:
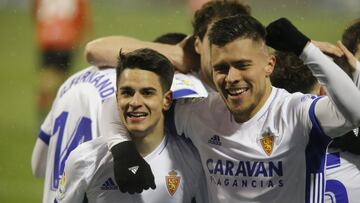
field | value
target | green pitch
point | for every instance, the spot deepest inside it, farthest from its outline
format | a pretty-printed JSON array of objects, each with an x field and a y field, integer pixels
[{"x": 18, "y": 62}]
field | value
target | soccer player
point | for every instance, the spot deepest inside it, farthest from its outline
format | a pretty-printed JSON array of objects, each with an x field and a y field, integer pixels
[
  {"x": 60, "y": 26},
  {"x": 144, "y": 79},
  {"x": 51, "y": 150},
  {"x": 253, "y": 138},
  {"x": 342, "y": 165},
  {"x": 73, "y": 119}
]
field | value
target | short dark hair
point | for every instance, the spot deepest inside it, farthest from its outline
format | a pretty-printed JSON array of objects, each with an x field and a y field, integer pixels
[
  {"x": 170, "y": 38},
  {"x": 150, "y": 60},
  {"x": 292, "y": 74},
  {"x": 215, "y": 10},
  {"x": 351, "y": 36},
  {"x": 231, "y": 28}
]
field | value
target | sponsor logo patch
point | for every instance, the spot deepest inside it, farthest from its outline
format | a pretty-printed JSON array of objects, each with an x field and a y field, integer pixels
[
  {"x": 109, "y": 185},
  {"x": 215, "y": 140},
  {"x": 61, "y": 190}
]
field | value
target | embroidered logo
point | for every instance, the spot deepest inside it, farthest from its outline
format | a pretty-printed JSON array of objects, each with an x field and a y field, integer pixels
[
  {"x": 109, "y": 185},
  {"x": 172, "y": 182},
  {"x": 267, "y": 143},
  {"x": 61, "y": 190},
  {"x": 215, "y": 140},
  {"x": 134, "y": 169}
]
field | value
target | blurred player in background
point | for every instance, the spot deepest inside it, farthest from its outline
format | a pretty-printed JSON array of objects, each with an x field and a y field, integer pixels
[
  {"x": 351, "y": 38},
  {"x": 144, "y": 79},
  {"x": 73, "y": 119},
  {"x": 342, "y": 161},
  {"x": 60, "y": 27}
]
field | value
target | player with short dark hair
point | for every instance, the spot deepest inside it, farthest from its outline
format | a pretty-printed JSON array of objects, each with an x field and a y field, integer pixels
[{"x": 144, "y": 78}]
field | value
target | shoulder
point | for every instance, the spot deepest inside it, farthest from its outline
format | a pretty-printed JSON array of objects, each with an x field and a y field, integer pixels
[{"x": 87, "y": 154}]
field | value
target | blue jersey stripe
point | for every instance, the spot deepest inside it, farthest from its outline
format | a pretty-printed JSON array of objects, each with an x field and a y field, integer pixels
[
  {"x": 44, "y": 137},
  {"x": 183, "y": 92},
  {"x": 315, "y": 159}
]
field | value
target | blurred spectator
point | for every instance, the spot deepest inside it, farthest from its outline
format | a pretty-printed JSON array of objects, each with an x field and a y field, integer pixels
[{"x": 60, "y": 27}]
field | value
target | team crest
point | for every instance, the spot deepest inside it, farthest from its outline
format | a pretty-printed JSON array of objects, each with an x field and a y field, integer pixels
[
  {"x": 172, "y": 182},
  {"x": 267, "y": 143}
]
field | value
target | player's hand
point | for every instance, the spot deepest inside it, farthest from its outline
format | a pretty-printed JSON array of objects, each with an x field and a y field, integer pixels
[
  {"x": 350, "y": 58},
  {"x": 282, "y": 35},
  {"x": 132, "y": 172}
]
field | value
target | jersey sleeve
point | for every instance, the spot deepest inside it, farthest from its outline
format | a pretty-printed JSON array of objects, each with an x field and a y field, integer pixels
[
  {"x": 187, "y": 86},
  {"x": 74, "y": 182},
  {"x": 338, "y": 112},
  {"x": 111, "y": 125}
]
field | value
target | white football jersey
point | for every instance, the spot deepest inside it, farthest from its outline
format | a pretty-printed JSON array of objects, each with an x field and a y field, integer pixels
[
  {"x": 343, "y": 177},
  {"x": 176, "y": 165},
  {"x": 343, "y": 169},
  {"x": 73, "y": 119},
  {"x": 263, "y": 159}
]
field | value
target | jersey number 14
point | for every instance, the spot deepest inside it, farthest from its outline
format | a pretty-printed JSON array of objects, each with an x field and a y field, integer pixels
[{"x": 81, "y": 133}]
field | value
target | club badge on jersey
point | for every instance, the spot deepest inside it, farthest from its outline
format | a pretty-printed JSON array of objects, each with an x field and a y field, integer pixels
[
  {"x": 172, "y": 182},
  {"x": 267, "y": 143}
]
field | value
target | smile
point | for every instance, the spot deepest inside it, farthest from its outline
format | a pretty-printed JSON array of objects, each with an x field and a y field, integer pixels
[
  {"x": 236, "y": 91},
  {"x": 136, "y": 114}
]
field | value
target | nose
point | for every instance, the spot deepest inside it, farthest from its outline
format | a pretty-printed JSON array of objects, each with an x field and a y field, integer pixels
[
  {"x": 136, "y": 100},
  {"x": 233, "y": 75}
]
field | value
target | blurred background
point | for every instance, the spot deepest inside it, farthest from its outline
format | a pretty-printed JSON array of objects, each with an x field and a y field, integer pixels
[{"x": 144, "y": 19}]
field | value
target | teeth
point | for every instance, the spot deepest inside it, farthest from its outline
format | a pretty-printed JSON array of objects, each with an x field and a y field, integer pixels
[
  {"x": 136, "y": 114},
  {"x": 236, "y": 91}
]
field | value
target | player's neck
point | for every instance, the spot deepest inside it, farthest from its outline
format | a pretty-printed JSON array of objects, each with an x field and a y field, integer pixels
[{"x": 147, "y": 143}]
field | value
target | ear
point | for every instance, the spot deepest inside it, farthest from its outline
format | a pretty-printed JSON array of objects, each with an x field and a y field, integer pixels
[
  {"x": 167, "y": 100},
  {"x": 269, "y": 68},
  {"x": 197, "y": 45},
  {"x": 322, "y": 91}
]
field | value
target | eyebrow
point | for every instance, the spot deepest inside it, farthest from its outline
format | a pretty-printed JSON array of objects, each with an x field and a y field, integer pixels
[
  {"x": 144, "y": 88},
  {"x": 242, "y": 62}
]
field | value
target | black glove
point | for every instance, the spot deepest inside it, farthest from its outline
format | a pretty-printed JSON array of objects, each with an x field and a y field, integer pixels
[
  {"x": 132, "y": 172},
  {"x": 348, "y": 142},
  {"x": 283, "y": 36}
]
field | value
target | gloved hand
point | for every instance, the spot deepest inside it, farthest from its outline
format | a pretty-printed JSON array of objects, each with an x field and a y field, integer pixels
[
  {"x": 282, "y": 35},
  {"x": 132, "y": 172}
]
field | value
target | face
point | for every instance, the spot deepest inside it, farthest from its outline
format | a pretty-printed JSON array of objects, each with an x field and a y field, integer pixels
[
  {"x": 241, "y": 73},
  {"x": 141, "y": 101}
]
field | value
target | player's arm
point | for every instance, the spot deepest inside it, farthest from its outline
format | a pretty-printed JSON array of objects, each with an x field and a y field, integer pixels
[
  {"x": 105, "y": 51},
  {"x": 39, "y": 155},
  {"x": 40, "y": 151},
  {"x": 73, "y": 183},
  {"x": 124, "y": 152},
  {"x": 337, "y": 113}
]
